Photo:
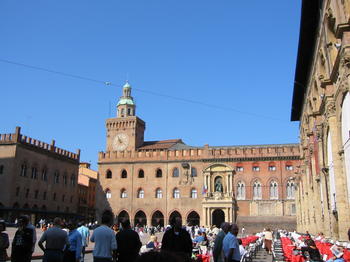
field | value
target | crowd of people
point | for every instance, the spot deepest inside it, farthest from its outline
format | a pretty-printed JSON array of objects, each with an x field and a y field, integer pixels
[{"x": 67, "y": 242}]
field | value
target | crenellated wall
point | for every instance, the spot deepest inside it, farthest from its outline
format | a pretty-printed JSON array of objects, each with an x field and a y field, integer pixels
[{"x": 17, "y": 137}]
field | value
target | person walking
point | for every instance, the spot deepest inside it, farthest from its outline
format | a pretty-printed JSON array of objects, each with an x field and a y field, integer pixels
[
  {"x": 55, "y": 240},
  {"x": 230, "y": 245},
  {"x": 4, "y": 241},
  {"x": 177, "y": 240},
  {"x": 268, "y": 240},
  {"x": 128, "y": 242},
  {"x": 104, "y": 239},
  {"x": 85, "y": 236},
  {"x": 22, "y": 244},
  {"x": 73, "y": 250},
  {"x": 217, "y": 250}
]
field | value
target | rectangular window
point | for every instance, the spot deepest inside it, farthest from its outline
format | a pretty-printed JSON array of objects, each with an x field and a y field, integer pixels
[
  {"x": 272, "y": 168},
  {"x": 44, "y": 196},
  {"x": 27, "y": 193},
  {"x": 239, "y": 169},
  {"x": 1, "y": 169},
  {"x": 289, "y": 167},
  {"x": 36, "y": 194},
  {"x": 256, "y": 168}
]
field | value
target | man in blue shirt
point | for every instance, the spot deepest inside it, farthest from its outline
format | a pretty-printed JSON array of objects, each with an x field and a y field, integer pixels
[
  {"x": 73, "y": 254},
  {"x": 230, "y": 245},
  {"x": 85, "y": 235}
]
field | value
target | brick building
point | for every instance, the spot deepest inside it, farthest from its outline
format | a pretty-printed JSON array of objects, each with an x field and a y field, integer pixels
[
  {"x": 87, "y": 181},
  {"x": 36, "y": 178},
  {"x": 150, "y": 181},
  {"x": 321, "y": 102}
]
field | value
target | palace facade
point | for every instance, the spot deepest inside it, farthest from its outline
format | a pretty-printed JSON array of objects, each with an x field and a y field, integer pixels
[
  {"x": 321, "y": 102},
  {"x": 151, "y": 181},
  {"x": 37, "y": 179}
]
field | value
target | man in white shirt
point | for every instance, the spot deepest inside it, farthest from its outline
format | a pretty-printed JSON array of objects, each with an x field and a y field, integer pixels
[{"x": 104, "y": 239}]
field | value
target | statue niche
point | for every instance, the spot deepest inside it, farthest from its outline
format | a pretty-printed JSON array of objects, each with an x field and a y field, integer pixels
[{"x": 218, "y": 185}]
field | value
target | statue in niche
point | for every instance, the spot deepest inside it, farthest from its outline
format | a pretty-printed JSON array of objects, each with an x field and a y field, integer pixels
[{"x": 218, "y": 185}]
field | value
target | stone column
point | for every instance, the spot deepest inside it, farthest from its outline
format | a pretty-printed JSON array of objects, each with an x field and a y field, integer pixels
[{"x": 340, "y": 181}]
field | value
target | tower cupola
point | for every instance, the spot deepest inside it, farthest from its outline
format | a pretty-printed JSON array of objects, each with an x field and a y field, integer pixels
[{"x": 126, "y": 106}]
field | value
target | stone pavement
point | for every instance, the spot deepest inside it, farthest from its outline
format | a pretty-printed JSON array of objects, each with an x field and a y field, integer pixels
[{"x": 262, "y": 256}]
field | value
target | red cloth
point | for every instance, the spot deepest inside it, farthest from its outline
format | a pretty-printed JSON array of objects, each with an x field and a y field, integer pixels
[{"x": 203, "y": 258}]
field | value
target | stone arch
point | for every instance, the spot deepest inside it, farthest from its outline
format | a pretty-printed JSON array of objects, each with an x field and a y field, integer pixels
[
  {"x": 157, "y": 218},
  {"x": 193, "y": 218},
  {"x": 122, "y": 216},
  {"x": 140, "y": 218},
  {"x": 174, "y": 213}
]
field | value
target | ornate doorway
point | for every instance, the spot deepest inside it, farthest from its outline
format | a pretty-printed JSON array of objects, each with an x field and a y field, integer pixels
[{"x": 218, "y": 217}]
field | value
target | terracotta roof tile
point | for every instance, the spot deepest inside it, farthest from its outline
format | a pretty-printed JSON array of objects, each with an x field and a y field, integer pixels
[{"x": 162, "y": 144}]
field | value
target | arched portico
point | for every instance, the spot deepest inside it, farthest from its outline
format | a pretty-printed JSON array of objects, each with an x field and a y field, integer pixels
[
  {"x": 140, "y": 218},
  {"x": 157, "y": 219}
]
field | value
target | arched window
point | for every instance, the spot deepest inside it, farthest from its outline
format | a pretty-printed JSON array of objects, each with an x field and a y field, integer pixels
[
  {"x": 257, "y": 194},
  {"x": 140, "y": 193},
  {"x": 34, "y": 173},
  {"x": 123, "y": 193},
  {"x": 108, "y": 193},
  {"x": 72, "y": 180},
  {"x": 44, "y": 174},
  {"x": 141, "y": 173},
  {"x": 56, "y": 177},
  {"x": 129, "y": 111},
  {"x": 273, "y": 190},
  {"x": 193, "y": 172},
  {"x": 176, "y": 193},
  {"x": 17, "y": 191},
  {"x": 176, "y": 172},
  {"x": 240, "y": 190},
  {"x": 193, "y": 193},
  {"x": 24, "y": 170},
  {"x": 65, "y": 179},
  {"x": 159, "y": 173},
  {"x": 122, "y": 112},
  {"x": 109, "y": 174},
  {"x": 124, "y": 174},
  {"x": 1, "y": 169},
  {"x": 159, "y": 193},
  {"x": 290, "y": 190}
]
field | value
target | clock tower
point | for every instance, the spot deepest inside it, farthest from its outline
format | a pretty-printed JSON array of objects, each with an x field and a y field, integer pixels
[{"x": 126, "y": 131}]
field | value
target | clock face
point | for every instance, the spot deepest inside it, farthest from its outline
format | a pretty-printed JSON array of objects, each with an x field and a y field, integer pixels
[{"x": 120, "y": 142}]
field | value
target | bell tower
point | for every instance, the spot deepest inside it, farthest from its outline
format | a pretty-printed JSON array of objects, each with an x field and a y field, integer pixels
[{"x": 125, "y": 132}]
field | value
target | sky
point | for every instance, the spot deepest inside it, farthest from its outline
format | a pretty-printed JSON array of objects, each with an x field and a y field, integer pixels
[{"x": 208, "y": 72}]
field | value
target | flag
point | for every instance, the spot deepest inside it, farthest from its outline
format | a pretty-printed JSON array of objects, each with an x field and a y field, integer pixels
[{"x": 204, "y": 190}]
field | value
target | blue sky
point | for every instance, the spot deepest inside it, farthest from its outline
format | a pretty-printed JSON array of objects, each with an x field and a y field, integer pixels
[{"x": 239, "y": 55}]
